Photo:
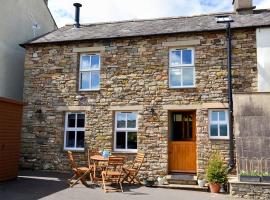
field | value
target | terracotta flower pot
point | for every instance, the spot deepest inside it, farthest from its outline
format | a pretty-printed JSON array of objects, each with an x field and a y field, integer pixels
[{"x": 214, "y": 187}]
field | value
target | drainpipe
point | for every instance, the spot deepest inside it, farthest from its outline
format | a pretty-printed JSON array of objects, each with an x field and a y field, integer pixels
[
  {"x": 227, "y": 20},
  {"x": 230, "y": 97}
]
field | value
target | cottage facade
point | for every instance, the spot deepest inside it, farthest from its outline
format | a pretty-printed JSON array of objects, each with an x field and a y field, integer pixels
[{"x": 108, "y": 86}]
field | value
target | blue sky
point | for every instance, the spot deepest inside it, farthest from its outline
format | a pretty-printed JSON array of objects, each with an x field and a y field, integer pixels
[{"x": 115, "y": 10}]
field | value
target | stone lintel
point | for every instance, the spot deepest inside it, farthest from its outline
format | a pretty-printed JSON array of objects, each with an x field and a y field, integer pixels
[
  {"x": 88, "y": 49},
  {"x": 72, "y": 108},
  {"x": 217, "y": 105},
  {"x": 127, "y": 108},
  {"x": 181, "y": 43},
  {"x": 196, "y": 106}
]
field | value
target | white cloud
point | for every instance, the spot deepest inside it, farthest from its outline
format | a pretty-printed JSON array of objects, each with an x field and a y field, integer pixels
[
  {"x": 262, "y": 4},
  {"x": 113, "y": 10}
]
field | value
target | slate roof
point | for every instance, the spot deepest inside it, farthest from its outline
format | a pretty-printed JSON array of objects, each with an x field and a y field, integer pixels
[{"x": 147, "y": 27}]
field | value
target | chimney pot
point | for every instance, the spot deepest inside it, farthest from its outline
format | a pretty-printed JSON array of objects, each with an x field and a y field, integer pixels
[
  {"x": 77, "y": 14},
  {"x": 243, "y": 6}
]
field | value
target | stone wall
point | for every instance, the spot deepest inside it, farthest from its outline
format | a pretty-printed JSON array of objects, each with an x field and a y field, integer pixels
[
  {"x": 134, "y": 72},
  {"x": 259, "y": 191}
]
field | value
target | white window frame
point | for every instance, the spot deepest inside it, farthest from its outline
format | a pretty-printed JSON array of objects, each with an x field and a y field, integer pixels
[
  {"x": 181, "y": 66},
  {"x": 73, "y": 129},
  {"x": 126, "y": 130},
  {"x": 89, "y": 70},
  {"x": 226, "y": 122}
]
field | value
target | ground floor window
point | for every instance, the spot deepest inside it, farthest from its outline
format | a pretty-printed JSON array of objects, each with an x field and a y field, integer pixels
[
  {"x": 126, "y": 128},
  {"x": 218, "y": 124},
  {"x": 74, "y": 131}
]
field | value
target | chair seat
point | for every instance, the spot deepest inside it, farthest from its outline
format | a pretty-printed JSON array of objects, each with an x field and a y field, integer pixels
[
  {"x": 111, "y": 173},
  {"x": 83, "y": 169}
]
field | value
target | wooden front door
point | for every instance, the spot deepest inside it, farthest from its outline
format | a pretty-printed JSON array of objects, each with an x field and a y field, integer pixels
[{"x": 182, "y": 142}]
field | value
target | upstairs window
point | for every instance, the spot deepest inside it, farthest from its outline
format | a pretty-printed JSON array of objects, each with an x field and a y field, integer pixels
[
  {"x": 89, "y": 72},
  {"x": 126, "y": 131},
  {"x": 181, "y": 68},
  {"x": 74, "y": 131},
  {"x": 218, "y": 124}
]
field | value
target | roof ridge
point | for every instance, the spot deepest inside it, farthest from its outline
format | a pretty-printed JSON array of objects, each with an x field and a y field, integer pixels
[{"x": 151, "y": 19}]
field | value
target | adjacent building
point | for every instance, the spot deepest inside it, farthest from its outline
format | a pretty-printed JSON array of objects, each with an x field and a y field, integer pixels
[{"x": 20, "y": 21}]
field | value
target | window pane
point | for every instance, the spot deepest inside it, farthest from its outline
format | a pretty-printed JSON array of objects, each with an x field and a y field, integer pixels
[
  {"x": 214, "y": 116},
  {"x": 223, "y": 130},
  {"x": 222, "y": 116},
  {"x": 131, "y": 120},
  {"x": 95, "y": 62},
  {"x": 70, "y": 139},
  {"x": 132, "y": 140},
  {"x": 175, "y": 77},
  {"x": 85, "y": 63},
  {"x": 95, "y": 80},
  {"x": 188, "y": 76},
  {"x": 80, "y": 120},
  {"x": 80, "y": 139},
  {"x": 121, "y": 120},
  {"x": 85, "y": 80},
  {"x": 187, "y": 57},
  {"x": 175, "y": 58},
  {"x": 120, "y": 140},
  {"x": 71, "y": 120},
  {"x": 214, "y": 130}
]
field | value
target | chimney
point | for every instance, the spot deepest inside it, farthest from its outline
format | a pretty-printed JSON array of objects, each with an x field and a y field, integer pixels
[
  {"x": 77, "y": 14},
  {"x": 243, "y": 7}
]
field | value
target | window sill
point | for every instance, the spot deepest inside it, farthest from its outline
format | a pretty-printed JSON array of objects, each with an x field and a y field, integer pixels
[
  {"x": 89, "y": 90},
  {"x": 219, "y": 138},
  {"x": 125, "y": 151},
  {"x": 74, "y": 150},
  {"x": 191, "y": 87}
]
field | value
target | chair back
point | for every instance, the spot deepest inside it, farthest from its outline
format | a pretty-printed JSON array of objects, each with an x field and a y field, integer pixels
[
  {"x": 138, "y": 161},
  {"x": 71, "y": 160},
  {"x": 116, "y": 163},
  {"x": 91, "y": 152}
]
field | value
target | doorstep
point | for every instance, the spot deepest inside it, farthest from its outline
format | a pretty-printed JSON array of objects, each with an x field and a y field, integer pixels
[{"x": 182, "y": 187}]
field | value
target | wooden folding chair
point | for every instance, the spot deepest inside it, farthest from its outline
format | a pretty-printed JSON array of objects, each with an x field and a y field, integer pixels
[
  {"x": 113, "y": 173},
  {"x": 79, "y": 173},
  {"x": 131, "y": 173},
  {"x": 92, "y": 164}
]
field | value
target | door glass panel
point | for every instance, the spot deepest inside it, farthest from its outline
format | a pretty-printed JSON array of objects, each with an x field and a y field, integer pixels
[{"x": 182, "y": 127}]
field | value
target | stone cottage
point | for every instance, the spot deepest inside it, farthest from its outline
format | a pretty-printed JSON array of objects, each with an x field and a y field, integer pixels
[{"x": 157, "y": 86}]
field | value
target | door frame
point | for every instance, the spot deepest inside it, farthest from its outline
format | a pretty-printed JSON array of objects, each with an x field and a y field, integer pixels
[{"x": 194, "y": 128}]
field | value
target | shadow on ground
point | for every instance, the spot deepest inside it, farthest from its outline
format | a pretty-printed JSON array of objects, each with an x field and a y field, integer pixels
[{"x": 31, "y": 185}]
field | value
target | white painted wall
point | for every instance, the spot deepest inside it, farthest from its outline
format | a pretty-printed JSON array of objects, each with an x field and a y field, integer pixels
[
  {"x": 263, "y": 59},
  {"x": 16, "y": 21}
]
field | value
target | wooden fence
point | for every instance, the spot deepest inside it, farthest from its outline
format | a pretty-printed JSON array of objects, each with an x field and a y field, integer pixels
[{"x": 10, "y": 134}]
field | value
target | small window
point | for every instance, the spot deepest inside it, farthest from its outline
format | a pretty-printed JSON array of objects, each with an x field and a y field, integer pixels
[
  {"x": 181, "y": 68},
  {"x": 218, "y": 124},
  {"x": 125, "y": 131},
  {"x": 89, "y": 72},
  {"x": 74, "y": 131}
]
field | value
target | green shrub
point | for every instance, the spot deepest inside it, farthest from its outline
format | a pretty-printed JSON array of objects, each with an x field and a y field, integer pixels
[{"x": 216, "y": 171}]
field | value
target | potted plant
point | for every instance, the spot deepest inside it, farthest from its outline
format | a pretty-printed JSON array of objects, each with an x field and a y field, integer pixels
[
  {"x": 216, "y": 173},
  {"x": 149, "y": 181},
  {"x": 250, "y": 176},
  {"x": 266, "y": 177},
  {"x": 201, "y": 180},
  {"x": 162, "y": 178}
]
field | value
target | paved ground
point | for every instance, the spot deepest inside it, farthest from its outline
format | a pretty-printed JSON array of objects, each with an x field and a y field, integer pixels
[{"x": 32, "y": 185}]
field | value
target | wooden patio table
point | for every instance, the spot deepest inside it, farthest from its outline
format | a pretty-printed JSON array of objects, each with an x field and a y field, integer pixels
[{"x": 97, "y": 159}]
